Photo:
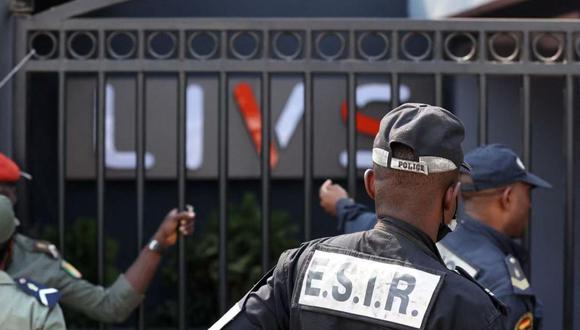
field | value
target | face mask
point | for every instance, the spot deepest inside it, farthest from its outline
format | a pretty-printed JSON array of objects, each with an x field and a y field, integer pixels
[{"x": 446, "y": 229}]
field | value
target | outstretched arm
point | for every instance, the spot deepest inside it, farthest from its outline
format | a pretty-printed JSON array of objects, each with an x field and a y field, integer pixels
[
  {"x": 110, "y": 304},
  {"x": 143, "y": 269},
  {"x": 352, "y": 217}
]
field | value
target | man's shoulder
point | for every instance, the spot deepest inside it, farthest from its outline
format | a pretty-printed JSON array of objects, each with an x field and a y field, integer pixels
[
  {"x": 36, "y": 246},
  {"x": 467, "y": 301},
  {"x": 476, "y": 248},
  {"x": 28, "y": 294}
]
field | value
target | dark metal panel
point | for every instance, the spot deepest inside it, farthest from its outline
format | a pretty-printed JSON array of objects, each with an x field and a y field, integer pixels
[
  {"x": 568, "y": 320},
  {"x": 181, "y": 176},
  {"x": 265, "y": 84},
  {"x": 140, "y": 138},
  {"x": 223, "y": 192},
  {"x": 351, "y": 135}
]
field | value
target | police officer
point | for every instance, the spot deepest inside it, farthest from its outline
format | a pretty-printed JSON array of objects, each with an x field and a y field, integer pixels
[
  {"x": 392, "y": 276},
  {"x": 41, "y": 261},
  {"x": 25, "y": 304},
  {"x": 497, "y": 203}
]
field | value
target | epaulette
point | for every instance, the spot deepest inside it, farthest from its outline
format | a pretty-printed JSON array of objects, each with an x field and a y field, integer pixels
[
  {"x": 48, "y": 297},
  {"x": 520, "y": 283},
  {"x": 46, "y": 248},
  {"x": 451, "y": 260}
]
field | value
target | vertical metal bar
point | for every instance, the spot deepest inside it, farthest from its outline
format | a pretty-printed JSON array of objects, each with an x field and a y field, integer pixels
[
  {"x": 437, "y": 55},
  {"x": 527, "y": 139},
  {"x": 395, "y": 89},
  {"x": 394, "y": 75},
  {"x": 140, "y": 138},
  {"x": 265, "y": 85},
  {"x": 308, "y": 141},
  {"x": 569, "y": 209},
  {"x": 61, "y": 159},
  {"x": 351, "y": 135},
  {"x": 101, "y": 94},
  {"x": 20, "y": 113},
  {"x": 482, "y": 137},
  {"x": 265, "y": 171},
  {"x": 308, "y": 154},
  {"x": 100, "y": 159},
  {"x": 61, "y": 148},
  {"x": 438, "y": 90},
  {"x": 181, "y": 120},
  {"x": 223, "y": 186}
]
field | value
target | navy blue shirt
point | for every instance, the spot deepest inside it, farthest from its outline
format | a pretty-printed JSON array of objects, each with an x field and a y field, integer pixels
[
  {"x": 354, "y": 217},
  {"x": 500, "y": 265}
]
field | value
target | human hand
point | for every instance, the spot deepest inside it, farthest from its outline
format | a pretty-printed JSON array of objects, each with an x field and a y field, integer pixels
[
  {"x": 330, "y": 193},
  {"x": 183, "y": 221}
]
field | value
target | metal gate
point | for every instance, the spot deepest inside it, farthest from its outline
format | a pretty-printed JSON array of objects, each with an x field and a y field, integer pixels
[{"x": 478, "y": 48}]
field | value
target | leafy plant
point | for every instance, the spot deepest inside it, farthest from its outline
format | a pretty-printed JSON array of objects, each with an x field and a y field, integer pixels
[{"x": 244, "y": 248}]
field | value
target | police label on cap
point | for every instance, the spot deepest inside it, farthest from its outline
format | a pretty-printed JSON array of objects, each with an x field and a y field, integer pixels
[{"x": 368, "y": 288}]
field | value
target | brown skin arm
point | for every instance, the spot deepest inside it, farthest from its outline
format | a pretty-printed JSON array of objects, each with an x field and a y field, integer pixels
[
  {"x": 330, "y": 193},
  {"x": 143, "y": 269}
]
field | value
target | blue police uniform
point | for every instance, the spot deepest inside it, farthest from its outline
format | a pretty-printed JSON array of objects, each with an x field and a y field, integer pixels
[{"x": 498, "y": 263}]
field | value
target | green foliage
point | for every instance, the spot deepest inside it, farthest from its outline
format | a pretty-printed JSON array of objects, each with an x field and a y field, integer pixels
[{"x": 244, "y": 258}]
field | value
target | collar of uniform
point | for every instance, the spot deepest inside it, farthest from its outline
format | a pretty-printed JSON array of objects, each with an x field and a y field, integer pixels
[
  {"x": 5, "y": 278},
  {"x": 503, "y": 242},
  {"x": 416, "y": 235}
]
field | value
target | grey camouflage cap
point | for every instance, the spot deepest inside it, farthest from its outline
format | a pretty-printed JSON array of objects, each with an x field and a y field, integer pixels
[{"x": 7, "y": 223}]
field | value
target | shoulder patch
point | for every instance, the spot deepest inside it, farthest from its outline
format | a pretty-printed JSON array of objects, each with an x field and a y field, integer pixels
[
  {"x": 49, "y": 297},
  {"x": 526, "y": 322},
  {"x": 452, "y": 260},
  {"x": 47, "y": 248},
  {"x": 368, "y": 288},
  {"x": 70, "y": 269},
  {"x": 519, "y": 281}
]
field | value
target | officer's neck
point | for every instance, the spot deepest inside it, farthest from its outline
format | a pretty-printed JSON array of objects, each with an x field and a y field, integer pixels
[
  {"x": 488, "y": 215},
  {"x": 427, "y": 222}
]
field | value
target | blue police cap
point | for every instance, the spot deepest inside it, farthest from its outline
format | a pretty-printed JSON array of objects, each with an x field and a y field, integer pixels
[{"x": 496, "y": 165}]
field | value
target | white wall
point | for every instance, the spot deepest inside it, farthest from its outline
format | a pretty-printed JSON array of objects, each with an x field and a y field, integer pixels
[{"x": 433, "y": 9}]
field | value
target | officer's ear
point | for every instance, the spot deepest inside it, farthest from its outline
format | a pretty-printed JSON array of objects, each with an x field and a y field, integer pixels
[
  {"x": 451, "y": 195},
  {"x": 370, "y": 183},
  {"x": 506, "y": 197}
]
